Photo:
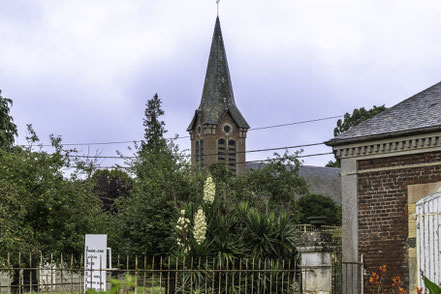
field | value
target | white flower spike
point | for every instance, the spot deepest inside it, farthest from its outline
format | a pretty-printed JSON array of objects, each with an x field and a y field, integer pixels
[{"x": 209, "y": 190}]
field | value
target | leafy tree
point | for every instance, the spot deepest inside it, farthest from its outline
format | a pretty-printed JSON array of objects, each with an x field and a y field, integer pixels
[
  {"x": 333, "y": 163},
  {"x": 7, "y": 128},
  {"x": 40, "y": 209},
  {"x": 350, "y": 120},
  {"x": 318, "y": 205},
  {"x": 110, "y": 185},
  {"x": 358, "y": 115},
  {"x": 275, "y": 182}
]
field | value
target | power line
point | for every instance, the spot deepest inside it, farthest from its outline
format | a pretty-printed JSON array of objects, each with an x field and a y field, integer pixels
[
  {"x": 212, "y": 154},
  {"x": 102, "y": 143},
  {"x": 239, "y": 162},
  {"x": 294, "y": 123},
  {"x": 187, "y": 136}
]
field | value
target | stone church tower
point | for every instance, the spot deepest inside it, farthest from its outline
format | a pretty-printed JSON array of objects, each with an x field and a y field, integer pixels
[{"x": 218, "y": 130}]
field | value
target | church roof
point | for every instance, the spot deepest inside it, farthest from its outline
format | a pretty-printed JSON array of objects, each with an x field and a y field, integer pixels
[
  {"x": 217, "y": 95},
  {"x": 418, "y": 114}
]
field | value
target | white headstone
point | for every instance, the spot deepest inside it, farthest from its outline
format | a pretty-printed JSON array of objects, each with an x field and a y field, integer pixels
[{"x": 95, "y": 262}]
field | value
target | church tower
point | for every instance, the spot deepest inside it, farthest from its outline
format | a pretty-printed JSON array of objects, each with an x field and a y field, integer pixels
[{"x": 218, "y": 130}]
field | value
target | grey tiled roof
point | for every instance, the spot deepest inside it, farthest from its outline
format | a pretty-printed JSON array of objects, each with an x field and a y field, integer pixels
[
  {"x": 217, "y": 95},
  {"x": 325, "y": 181},
  {"x": 421, "y": 112}
]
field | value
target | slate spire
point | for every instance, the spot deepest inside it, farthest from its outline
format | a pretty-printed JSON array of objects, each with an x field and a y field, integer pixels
[{"x": 217, "y": 95}]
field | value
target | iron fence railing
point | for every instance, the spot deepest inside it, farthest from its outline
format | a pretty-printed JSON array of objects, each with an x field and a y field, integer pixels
[
  {"x": 152, "y": 275},
  {"x": 27, "y": 274}
]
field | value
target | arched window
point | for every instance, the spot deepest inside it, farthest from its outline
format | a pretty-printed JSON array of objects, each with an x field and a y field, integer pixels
[
  {"x": 221, "y": 150},
  {"x": 232, "y": 155}
]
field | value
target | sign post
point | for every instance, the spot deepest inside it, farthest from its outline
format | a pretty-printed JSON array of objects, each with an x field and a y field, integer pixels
[{"x": 95, "y": 261}]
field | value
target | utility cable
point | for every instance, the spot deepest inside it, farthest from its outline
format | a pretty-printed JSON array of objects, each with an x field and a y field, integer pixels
[
  {"x": 187, "y": 136},
  {"x": 212, "y": 154},
  {"x": 239, "y": 162},
  {"x": 294, "y": 123}
]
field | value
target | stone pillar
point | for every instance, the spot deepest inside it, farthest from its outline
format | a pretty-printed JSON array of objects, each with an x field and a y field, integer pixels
[
  {"x": 315, "y": 250},
  {"x": 350, "y": 241}
]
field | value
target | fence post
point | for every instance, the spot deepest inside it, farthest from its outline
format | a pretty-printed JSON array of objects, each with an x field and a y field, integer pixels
[{"x": 315, "y": 249}]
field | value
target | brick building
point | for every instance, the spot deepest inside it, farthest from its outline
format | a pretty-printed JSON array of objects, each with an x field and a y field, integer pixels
[
  {"x": 389, "y": 162},
  {"x": 218, "y": 130}
]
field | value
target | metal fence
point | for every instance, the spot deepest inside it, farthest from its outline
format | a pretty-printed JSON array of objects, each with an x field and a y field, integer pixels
[
  {"x": 347, "y": 278},
  {"x": 27, "y": 274},
  {"x": 153, "y": 275}
]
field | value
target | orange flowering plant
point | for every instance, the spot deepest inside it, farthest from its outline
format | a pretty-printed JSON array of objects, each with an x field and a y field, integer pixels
[
  {"x": 376, "y": 280},
  {"x": 396, "y": 283},
  {"x": 375, "y": 285}
]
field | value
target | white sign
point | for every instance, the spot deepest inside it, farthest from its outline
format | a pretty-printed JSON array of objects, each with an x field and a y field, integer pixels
[{"x": 95, "y": 262}]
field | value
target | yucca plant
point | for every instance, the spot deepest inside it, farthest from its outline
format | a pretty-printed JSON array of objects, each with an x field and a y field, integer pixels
[
  {"x": 260, "y": 234},
  {"x": 268, "y": 236}
]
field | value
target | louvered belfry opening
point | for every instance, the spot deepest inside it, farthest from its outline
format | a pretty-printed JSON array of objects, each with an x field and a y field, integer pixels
[
  {"x": 232, "y": 155},
  {"x": 199, "y": 153},
  {"x": 221, "y": 150},
  {"x": 227, "y": 154}
]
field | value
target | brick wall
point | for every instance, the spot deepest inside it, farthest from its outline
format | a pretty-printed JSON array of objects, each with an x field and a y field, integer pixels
[{"x": 383, "y": 224}]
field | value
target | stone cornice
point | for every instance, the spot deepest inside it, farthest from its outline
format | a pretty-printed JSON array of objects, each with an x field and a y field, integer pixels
[{"x": 390, "y": 147}]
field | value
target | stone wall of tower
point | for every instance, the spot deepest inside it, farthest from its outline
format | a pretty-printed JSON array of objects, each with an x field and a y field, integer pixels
[{"x": 211, "y": 134}]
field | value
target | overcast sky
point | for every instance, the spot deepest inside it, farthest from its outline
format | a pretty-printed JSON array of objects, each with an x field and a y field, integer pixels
[{"x": 83, "y": 69}]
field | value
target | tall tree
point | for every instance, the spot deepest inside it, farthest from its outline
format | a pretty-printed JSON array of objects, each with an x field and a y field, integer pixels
[
  {"x": 7, "y": 127},
  {"x": 145, "y": 220},
  {"x": 154, "y": 127},
  {"x": 350, "y": 120}
]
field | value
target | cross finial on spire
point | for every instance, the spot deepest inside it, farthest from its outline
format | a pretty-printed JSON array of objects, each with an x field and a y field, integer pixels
[{"x": 217, "y": 3}]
